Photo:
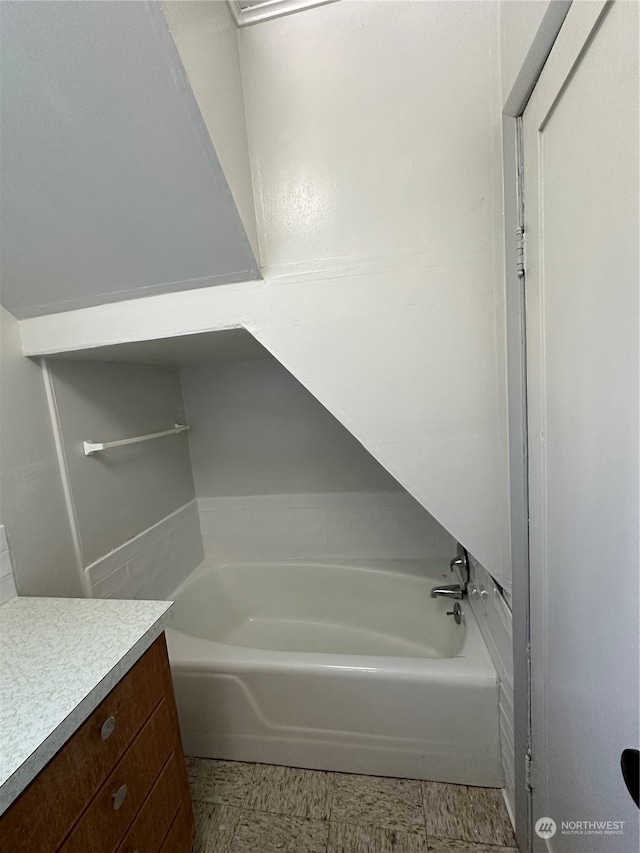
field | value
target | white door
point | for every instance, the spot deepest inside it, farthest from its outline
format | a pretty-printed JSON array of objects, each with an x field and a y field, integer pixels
[{"x": 580, "y": 132}]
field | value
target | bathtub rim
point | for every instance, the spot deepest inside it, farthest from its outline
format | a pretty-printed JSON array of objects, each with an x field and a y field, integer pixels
[{"x": 197, "y": 654}]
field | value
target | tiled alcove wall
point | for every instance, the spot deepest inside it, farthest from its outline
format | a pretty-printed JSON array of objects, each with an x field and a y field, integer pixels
[
  {"x": 329, "y": 526},
  {"x": 493, "y": 614},
  {"x": 7, "y": 581},
  {"x": 152, "y": 564}
]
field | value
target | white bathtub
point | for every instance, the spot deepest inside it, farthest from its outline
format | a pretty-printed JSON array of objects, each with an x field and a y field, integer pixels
[{"x": 334, "y": 667}]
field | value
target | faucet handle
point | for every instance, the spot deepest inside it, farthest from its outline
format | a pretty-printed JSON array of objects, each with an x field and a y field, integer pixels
[{"x": 460, "y": 566}]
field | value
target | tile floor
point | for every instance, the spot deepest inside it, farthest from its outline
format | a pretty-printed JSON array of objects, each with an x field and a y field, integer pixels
[{"x": 260, "y": 808}]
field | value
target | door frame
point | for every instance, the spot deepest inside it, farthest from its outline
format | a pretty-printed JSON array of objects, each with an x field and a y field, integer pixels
[{"x": 512, "y": 111}]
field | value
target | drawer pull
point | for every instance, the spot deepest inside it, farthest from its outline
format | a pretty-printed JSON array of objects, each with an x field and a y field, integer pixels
[
  {"x": 108, "y": 727},
  {"x": 119, "y": 796}
]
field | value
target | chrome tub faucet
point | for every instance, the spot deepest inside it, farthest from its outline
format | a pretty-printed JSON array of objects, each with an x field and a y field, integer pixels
[
  {"x": 453, "y": 590},
  {"x": 460, "y": 569}
]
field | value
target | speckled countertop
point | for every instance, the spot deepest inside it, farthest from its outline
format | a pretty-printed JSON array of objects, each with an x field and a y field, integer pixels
[{"x": 59, "y": 657}]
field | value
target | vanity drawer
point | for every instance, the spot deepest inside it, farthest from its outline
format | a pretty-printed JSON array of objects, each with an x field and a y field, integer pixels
[
  {"x": 41, "y": 818},
  {"x": 179, "y": 838},
  {"x": 109, "y": 815},
  {"x": 156, "y": 815}
]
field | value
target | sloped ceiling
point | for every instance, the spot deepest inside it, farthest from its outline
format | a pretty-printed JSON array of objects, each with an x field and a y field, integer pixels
[
  {"x": 183, "y": 350},
  {"x": 111, "y": 188}
]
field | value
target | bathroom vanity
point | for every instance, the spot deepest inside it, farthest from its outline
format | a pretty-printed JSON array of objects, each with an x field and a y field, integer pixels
[{"x": 91, "y": 759}]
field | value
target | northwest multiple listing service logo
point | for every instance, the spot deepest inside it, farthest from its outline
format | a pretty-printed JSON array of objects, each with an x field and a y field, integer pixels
[{"x": 546, "y": 827}]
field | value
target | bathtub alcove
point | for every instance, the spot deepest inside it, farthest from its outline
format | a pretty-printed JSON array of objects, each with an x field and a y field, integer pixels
[
  {"x": 307, "y": 636},
  {"x": 333, "y": 667}
]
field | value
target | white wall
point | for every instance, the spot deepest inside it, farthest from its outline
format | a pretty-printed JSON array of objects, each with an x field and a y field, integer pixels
[
  {"x": 207, "y": 41},
  {"x": 121, "y": 492},
  {"x": 519, "y": 22},
  {"x": 432, "y": 425},
  {"x": 111, "y": 187},
  {"x": 374, "y": 132},
  {"x": 31, "y": 498},
  {"x": 278, "y": 477},
  {"x": 255, "y": 430}
]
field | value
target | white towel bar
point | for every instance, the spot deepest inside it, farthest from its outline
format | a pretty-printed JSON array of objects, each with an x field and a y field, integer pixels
[{"x": 90, "y": 447}]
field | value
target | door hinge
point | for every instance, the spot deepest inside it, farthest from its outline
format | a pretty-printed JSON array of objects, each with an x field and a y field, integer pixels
[
  {"x": 520, "y": 252},
  {"x": 528, "y": 770}
]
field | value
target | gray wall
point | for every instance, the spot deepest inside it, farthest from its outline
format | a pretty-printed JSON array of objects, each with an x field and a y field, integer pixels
[
  {"x": 31, "y": 498},
  {"x": 111, "y": 187},
  {"x": 207, "y": 40},
  {"x": 119, "y": 493},
  {"x": 256, "y": 430}
]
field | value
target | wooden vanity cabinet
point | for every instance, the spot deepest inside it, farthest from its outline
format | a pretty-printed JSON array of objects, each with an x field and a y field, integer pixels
[{"x": 119, "y": 784}]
